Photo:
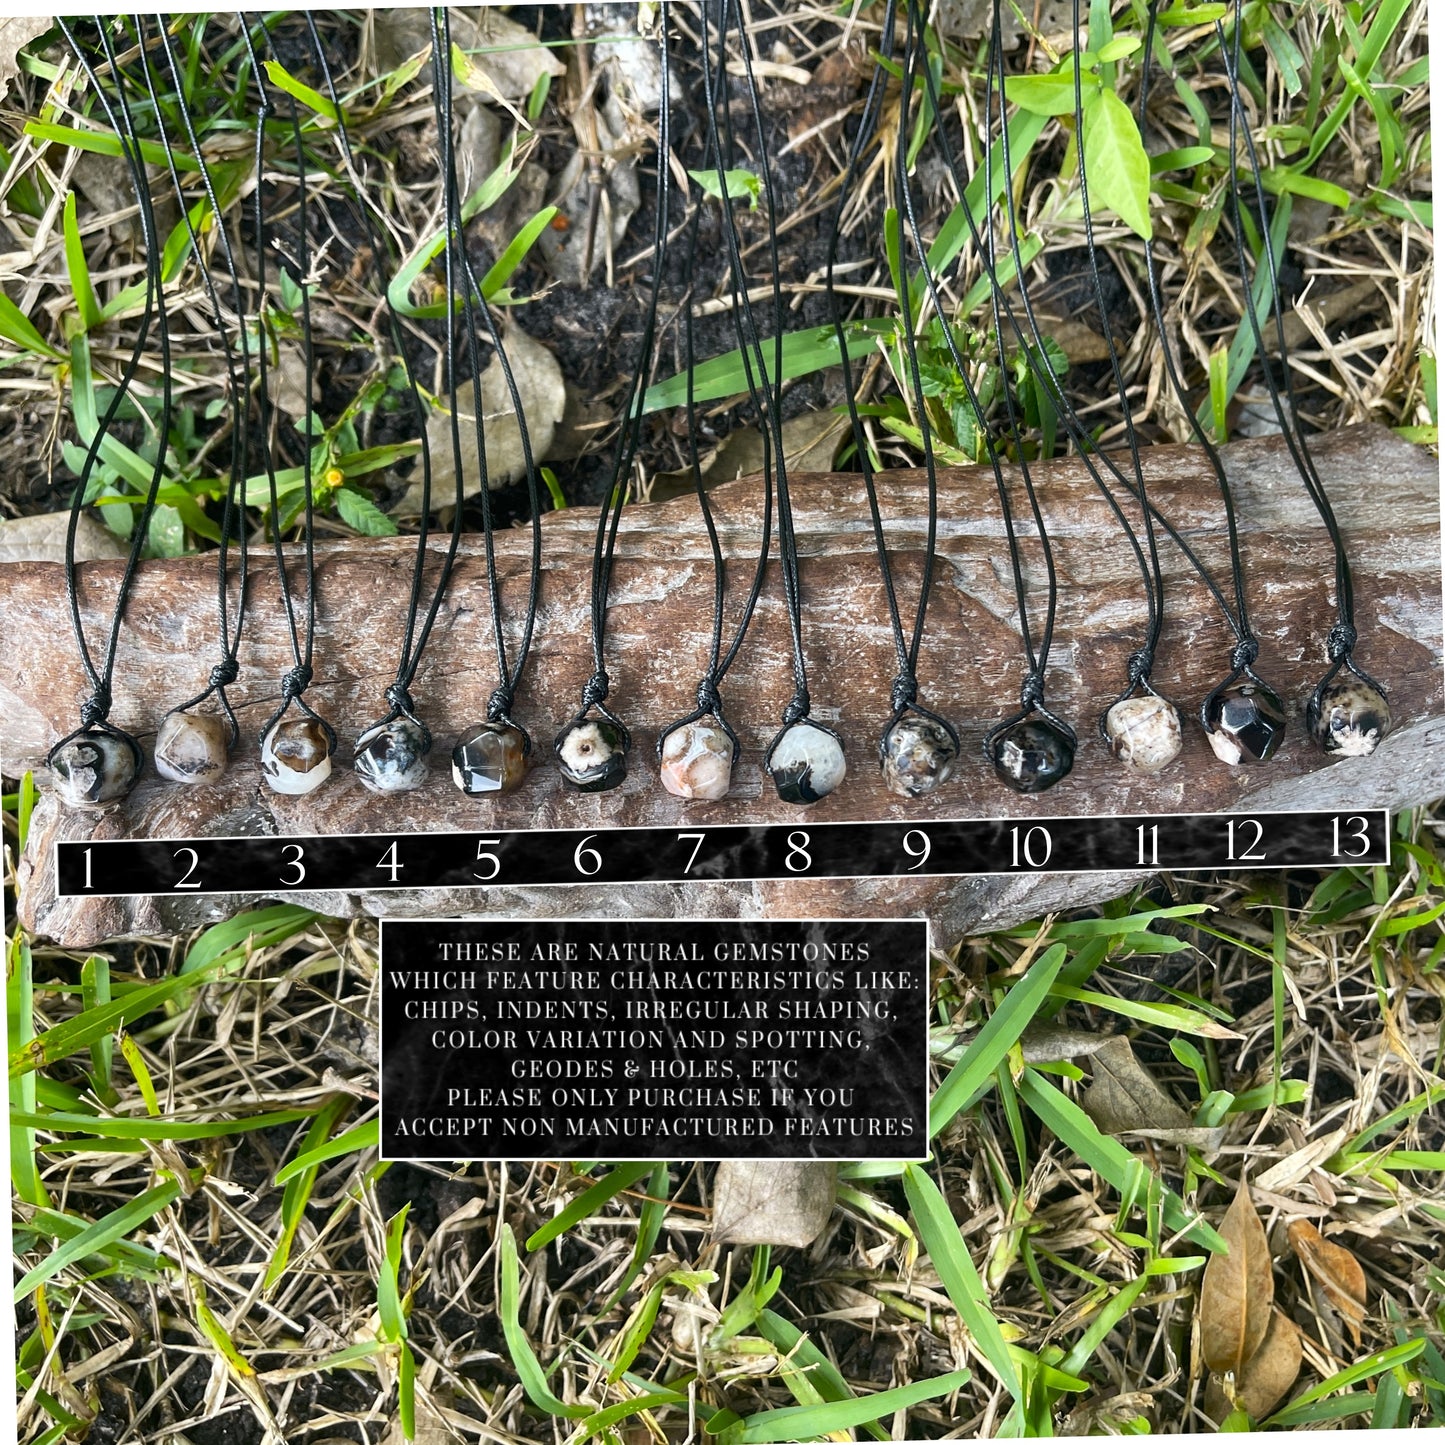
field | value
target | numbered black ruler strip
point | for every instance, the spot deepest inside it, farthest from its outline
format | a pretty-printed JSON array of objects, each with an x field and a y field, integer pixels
[{"x": 1179, "y": 843}]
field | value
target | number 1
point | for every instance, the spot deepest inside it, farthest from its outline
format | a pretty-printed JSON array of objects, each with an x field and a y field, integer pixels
[{"x": 1148, "y": 845}]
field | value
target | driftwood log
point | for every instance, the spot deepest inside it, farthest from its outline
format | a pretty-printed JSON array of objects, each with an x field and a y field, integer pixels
[{"x": 1385, "y": 492}]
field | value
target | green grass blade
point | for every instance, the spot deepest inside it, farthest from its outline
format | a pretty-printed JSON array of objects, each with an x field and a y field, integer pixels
[
  {"x": 353, "y": 1141},
  {"x": 258, "y": 928},
  {"x": 588, "y": 1203},
  {"x": 824, "y": 1375},
  {"x": 299, "y": 1183},
  {"x": 388, "y": 1283},
  {"x": 528, "y": 1367},
  {"x": 107, "y": 1127},
  {"x": 505, "y": 266},
  {"x": 79, "y": 268}
]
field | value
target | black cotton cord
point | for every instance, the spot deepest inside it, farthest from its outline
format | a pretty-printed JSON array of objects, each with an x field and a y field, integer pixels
[
  {"x": 295, "y": 682},
  {"x": 1340, "y": 643},
  {"x": 609, "y": 517},
  {"x": 95, "y": 711},
  {"x": 233, "y": 518}
]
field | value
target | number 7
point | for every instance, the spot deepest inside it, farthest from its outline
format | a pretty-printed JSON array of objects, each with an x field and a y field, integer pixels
[{"x": 696, "y": 848}]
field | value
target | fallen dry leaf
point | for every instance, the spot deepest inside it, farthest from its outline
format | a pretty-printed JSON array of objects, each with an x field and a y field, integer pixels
[
  {"x": 1334, "y": 1269},
  {"x": 41, "y": 538},
  {"x": 1237, "y": 1295},
  {"x": 758, "y": 1201},
  {"x": 1124, "y": 1096},
  {"x": 16, "y": 32},
  {"x": 1266, "y": 1379}
]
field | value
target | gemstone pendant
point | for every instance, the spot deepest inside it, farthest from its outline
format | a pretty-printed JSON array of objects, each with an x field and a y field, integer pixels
[
  {"x": 391, "y": 757},
  {"x": 1246, "y": 723},
  {"x": 1144, "y": 732},
  {"x": 93, "y": 769},
  {"x": 489, "y": 758},
  {"x": 806, "y": 763},
  {"x": 296, "y": 756},
  {"x": 1351, "y": 719},
  {"x": 193, "y": 747},
  {"x": 917, "y": 756},
  {"x": 592, "y": 755},
  {"x": 1032, "y": 755},
  {"x": 697, "y": 762}
]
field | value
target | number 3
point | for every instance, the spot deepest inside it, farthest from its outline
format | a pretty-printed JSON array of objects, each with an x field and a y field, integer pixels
[{"x": 295, "y": 863}]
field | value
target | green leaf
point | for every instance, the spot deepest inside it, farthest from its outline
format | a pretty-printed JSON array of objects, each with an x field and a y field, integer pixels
[
  {"x": 107, "y": 1127},
  {"x": 358, "y": 511},
  {"x": 939, "y": 1232},
  {"x": 1116, "y": 161},
  {"x": 17, "y": 328},
  {"x": 102, "y": 144},
  {"x": 356, "y": 1139},
  {"x": 257, "y": 928},
  {"x": 524, "y": 1360},
  {"x": 505, "y": 265},
  {"x": 75, "y": 263},
  {"x": 301, "y": 1180},
  {"x": 388, "y": 1288},
  {"x": 1047, "y": 94},
  {"x": 741, "y": 185},
  {"x": 588, "y": 1203},
  {"x": 313, "y": 100}
]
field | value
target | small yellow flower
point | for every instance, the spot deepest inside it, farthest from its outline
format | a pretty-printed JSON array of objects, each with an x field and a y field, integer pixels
[{"x": 334, "y": 476}]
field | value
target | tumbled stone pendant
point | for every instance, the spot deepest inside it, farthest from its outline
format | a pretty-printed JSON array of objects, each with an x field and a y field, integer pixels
[
  {"x": 1246, "y": 724},
  {"x": 1144, "y": 732},
  {"x": 92, "y": 769},
  {"x": 917, "y": 756},
  {"x": 490, "y": 758},
  {"x": 193, "y": 747},
  {"x": 1032, "y": 755},
  {"x": 592, "y": 755},
  {"x": 1351, "y": 718},
  {"x": 806, "y": 763},
  {"x": 391, "y": 757},
  {"x": 697, "y": 762},
  {"x": 295, "y": 756}
]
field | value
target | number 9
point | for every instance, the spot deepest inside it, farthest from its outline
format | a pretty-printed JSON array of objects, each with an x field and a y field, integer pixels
[{"x": 920, "y": 853}]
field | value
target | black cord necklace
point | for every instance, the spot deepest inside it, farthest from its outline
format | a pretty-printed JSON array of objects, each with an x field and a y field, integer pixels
[
  {"x": 918, "y": 748},
  {"x": 592, "y": 750},
  {"x": 295, "y": 751},
  {"x": 99, "y": 763},
  {"x": 696, "y": 756},
  {"x": 1243, "y": 717},
  {"x": 1346, "y": 714},
  {"x": 194, "y": 747}
]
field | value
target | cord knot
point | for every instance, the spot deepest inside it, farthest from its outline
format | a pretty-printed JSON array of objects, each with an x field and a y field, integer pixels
[
  {"x": 223, "y": 674},
  {"x": 1141, "y": 664},
  {"x": 295, "y": 682},
  {"x": 499, "y": 705},
  {"x": 96, "y": 708},
  {"x": 1031, "y": 694},
  {"x": 1341, "y": 641},
  {"x": 598, "y": 686},
  {"x": 1244, "y": 654},
  {"x": 400, "y": 699},
  {"x": 905, "y": 691},
  {"x": 798, "y": 708},
  {"x": 709, "y": 700}
]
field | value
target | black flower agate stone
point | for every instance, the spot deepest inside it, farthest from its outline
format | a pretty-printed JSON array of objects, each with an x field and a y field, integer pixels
[
  {"x": 1032, "y": 755},
  {"x": 1246, "y": 723}
]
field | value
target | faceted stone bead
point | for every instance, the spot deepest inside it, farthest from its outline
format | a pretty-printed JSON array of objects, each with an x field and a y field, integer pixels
[
  {"x": 697, "y": 762},
  {"x": 193, "y": 747},
  {"x": 92, "y": 770},
  {"x": 391, "y": 757},
  {"x": 1032, "y": 755},
  {"x": 295, "y": 756},
  {"x": 1144, "y": 732},
  {"x": 489, "y": 758},
  {"x": 1352, "y": 718},
  {"x": 807, "y": 763},
  {"x": 918, "y": 756},
  {"x": 592, "y": 756},
  {"x": 1247, "y": 724}
]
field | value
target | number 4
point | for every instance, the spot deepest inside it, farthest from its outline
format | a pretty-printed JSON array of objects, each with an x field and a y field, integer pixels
[{"x": 391, "y": 862}]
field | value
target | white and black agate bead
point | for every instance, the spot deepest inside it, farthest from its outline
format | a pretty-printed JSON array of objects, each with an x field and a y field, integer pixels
[
  {"x": 1144, "y": 732},
  {"x": 917, "y": 756},
  {"x": 1032, "y": 755},
  {"x": 193, "y": 747},
  {"x": 1350, "y": 719},
  {"x": 1246, "y": 724},
  {"x": 93, "y": 769},
  {"x": 697, "y": 762},
  {"x": 490, "y": 758},
  {"x": 592, "y": 755},
  {"x": 295, "y": 756},
  {"x": 806, "y": 763},
  {"x": 392, "y": 756}
]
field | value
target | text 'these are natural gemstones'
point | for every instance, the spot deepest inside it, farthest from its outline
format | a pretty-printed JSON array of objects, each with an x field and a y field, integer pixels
[
  {"x": 591, "y": 755},
  {"x": 1144, "y": 732},
  {"x": 193, "y": 747},
  {"x": 92, "y": 770},
  {"x": 489, "y": 758},
  {"x": 1247, "y": 724},
  {"x": 918, "y": 756},
  {"x": 1353, "y": 717},
  {"x": 391, "y": 757},
  {"x": 807, "y": 763},
  {"x": 697, "y": 762},
  {"x": 295, "y": 756},
  {"x": 1032, "y": 755}
]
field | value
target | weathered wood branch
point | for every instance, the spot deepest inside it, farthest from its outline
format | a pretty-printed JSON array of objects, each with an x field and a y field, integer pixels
[{"x": 1385, "y": 492}]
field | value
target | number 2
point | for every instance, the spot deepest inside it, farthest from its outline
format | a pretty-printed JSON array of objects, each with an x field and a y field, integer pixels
[
  {"x": 184, "y": 882},
  {"x": 1247, "y": 854}
]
